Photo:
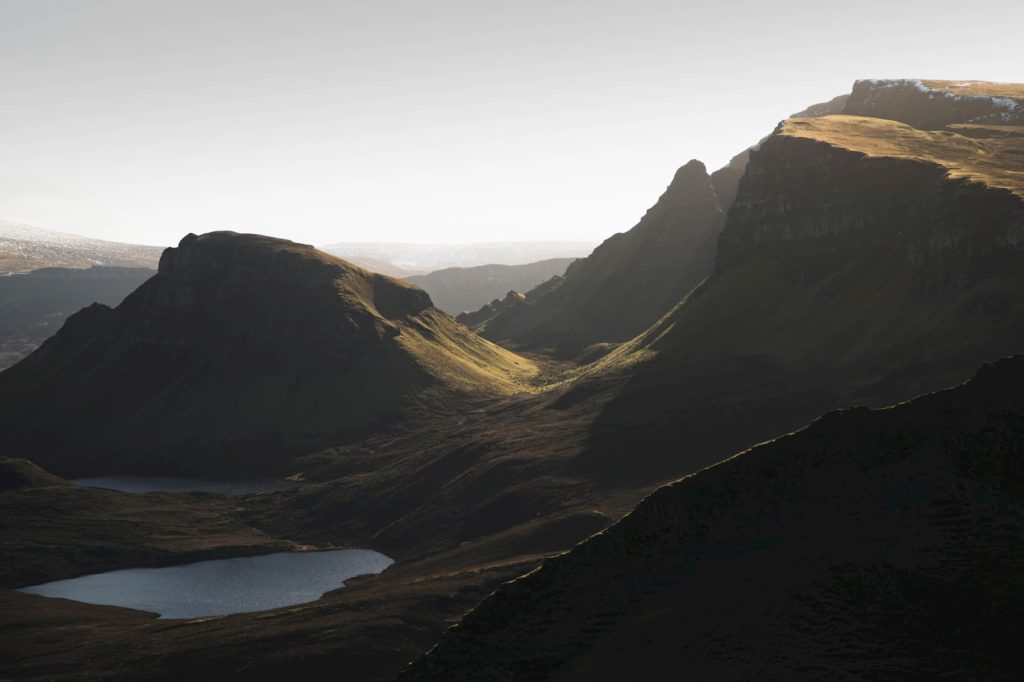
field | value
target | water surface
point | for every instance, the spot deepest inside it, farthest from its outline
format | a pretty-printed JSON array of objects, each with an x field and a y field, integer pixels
[
  {"x": 222, "y": 586},
  {"x": 153, "y": 484}
]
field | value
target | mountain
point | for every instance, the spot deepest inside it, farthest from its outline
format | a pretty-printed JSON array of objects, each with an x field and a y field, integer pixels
[
  {"x": 633, "y": 278},
  {"x": 870, "y": 544},
  {"x": 240, "y": 353},
  {"x": 456, "y": 290},
  {"x": 24, "y": 248},
  {"x": 629, "y": 281},
  {"x": 34, "y": 305},
  {"x": 863, "y": 262},
  {"x": 425, "y": 257}
]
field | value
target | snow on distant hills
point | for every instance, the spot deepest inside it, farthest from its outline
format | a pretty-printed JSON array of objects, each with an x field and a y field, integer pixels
[{"x": 24, "y": 248}]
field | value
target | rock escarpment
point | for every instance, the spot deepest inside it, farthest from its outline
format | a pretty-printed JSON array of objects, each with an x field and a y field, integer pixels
[
  {"x": 629, "y": 281},
  {"x": 241, "y": 353},
  {"x": 863, "y": 262},
  {"x": 870, "y": 541}
]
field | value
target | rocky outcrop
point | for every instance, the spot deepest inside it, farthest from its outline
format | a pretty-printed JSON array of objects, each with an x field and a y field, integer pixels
[
  {"x": 629, "y": 281},
  {"x": 241, "y": 353},
  {"x": 477, "y": 318},
  {"x": 932, "y": 105},
  {"x": 866, "y": 542}
]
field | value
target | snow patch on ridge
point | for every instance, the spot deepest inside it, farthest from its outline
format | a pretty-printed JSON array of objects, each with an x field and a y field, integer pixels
[{"x": 1008, "y": 104}]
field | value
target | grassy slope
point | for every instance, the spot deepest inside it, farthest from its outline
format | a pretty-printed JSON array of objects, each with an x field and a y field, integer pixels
[{"x": 993, "y": 155}]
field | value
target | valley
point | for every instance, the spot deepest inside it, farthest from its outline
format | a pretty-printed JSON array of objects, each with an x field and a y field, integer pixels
[{"x": 556, "y": 475}]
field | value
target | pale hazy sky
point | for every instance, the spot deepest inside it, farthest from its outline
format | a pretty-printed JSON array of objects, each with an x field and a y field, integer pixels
[{"x": 427, "y": 120}]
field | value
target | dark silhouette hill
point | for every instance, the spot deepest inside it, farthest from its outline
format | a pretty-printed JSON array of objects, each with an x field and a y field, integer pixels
[
  {"x": 457, "y": 290},
  {"x": 629, "y": 281},
  {"x": 242, "y": 352},
  {"x": 872, "y": 543},
  {"x": 33, "y": 306}
]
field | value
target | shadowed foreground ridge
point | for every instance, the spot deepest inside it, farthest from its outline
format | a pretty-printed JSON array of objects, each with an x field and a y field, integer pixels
[
  {"x": 252, "y": 348},
  {"x": 872, "y": 543}
]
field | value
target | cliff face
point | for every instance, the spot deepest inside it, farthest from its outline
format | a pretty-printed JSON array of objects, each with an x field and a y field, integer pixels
[
  {"x": 931, "y": 105},
  {"x": 862, "y": 262},
  {"x": 869, "y": 541},
  {"x": 726, "y": 180},
  {"x": 242, "y": 352},
  {"x": 629, "y": 281},
  {"x": 858, "y": 244}
]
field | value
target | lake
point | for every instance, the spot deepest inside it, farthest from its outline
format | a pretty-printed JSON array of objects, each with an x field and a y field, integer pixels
[
  {"x": 222, "y": 586},
  {"x": 152, "y": 484}
]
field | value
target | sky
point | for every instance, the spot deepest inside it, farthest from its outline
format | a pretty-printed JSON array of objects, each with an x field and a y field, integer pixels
[{"x": 438, "y": 121}]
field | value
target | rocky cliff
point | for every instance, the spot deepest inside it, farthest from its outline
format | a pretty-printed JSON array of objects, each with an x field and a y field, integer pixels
[
  {"x": 871, "y": 544},
  {"x": 242, "y": 352},
  {"x": 863, "y": 262},
  {"x": 629, "y": 281}
]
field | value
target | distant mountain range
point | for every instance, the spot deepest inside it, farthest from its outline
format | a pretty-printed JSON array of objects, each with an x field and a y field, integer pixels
[
  {"x": 455, "y": 290},
  {"x": 426, "y": 257},
  {"x": 24, "y": 248}
]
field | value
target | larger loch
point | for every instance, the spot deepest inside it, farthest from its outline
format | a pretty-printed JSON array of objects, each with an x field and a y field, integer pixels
[{"x": 222, "y": 586}]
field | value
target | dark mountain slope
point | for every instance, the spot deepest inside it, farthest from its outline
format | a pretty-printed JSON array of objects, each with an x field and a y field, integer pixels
[
  {"x": 242, "y": 352},
  {"x": 628, "y": 281},
  {"x": 456, "y": 290},
  {"x": 33, "y": 306},
  {"x": 871, "y": 545}
]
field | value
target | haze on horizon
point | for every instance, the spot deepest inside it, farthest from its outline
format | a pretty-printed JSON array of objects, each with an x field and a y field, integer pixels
[{"x": 448, "y": 121}]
